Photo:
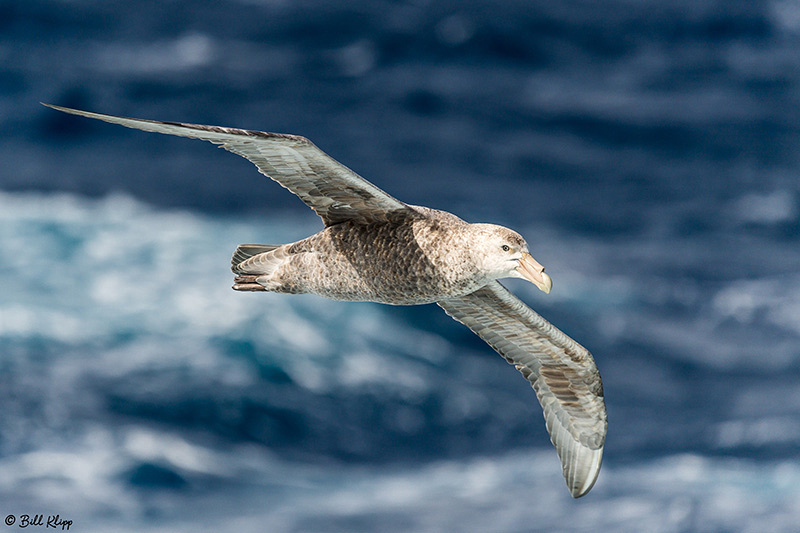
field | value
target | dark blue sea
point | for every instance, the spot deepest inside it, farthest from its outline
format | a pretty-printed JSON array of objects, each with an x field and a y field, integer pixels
[{"x": 648, "y": 150}]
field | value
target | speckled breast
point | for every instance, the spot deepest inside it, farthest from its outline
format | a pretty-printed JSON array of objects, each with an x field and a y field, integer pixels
[{"x": 415, "y": 262}]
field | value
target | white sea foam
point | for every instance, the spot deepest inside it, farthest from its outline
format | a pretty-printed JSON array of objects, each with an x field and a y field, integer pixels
[
  {"x": 113, "y": 298},
  {"x": 508, "y": 492}
]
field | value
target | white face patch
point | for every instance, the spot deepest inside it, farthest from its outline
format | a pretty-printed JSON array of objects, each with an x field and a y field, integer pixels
[{"x": 497, "y": 250}]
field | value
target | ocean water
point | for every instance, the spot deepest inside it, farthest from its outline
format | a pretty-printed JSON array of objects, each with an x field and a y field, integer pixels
[{"x": 648, "y": 151}]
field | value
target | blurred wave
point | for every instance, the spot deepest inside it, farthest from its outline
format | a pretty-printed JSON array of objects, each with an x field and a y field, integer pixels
[{"x": 130, "y": 368}]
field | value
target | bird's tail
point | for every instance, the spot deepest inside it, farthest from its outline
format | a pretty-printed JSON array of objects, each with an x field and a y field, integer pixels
[
  {"x": 248, "y": 270},
  {"x": 246, "y": 251}
]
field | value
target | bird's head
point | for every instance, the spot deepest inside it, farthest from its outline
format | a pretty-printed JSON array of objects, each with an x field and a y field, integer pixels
[{"x": 503, "y": 253}]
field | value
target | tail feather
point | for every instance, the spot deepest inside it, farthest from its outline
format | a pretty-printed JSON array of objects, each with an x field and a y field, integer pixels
[
  {"x": 247, "y": 283},
  {"x": 246, "y": 251}
]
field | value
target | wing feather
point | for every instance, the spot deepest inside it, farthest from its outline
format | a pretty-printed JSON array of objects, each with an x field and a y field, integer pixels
[
  {"x": 331, "y": 189},
  {"x": 561, "y": 371}
]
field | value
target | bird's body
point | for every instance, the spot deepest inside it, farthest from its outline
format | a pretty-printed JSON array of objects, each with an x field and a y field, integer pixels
[
  {"x": 377, "y": 248},
  {"x": 419, "y": 258}
]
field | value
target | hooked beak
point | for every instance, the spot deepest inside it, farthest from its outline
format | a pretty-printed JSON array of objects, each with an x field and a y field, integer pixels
[{"x": 531, "y": 270}]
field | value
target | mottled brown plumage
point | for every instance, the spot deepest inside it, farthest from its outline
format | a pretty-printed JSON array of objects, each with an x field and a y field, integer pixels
[
  {"x": 376, "y": 248},
  {"x": 418, "y": 258}
]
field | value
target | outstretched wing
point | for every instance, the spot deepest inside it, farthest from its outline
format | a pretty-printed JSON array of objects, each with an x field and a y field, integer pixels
[
  {"x": 331, "y": 189},
  {"x": 561, "y": 371}
]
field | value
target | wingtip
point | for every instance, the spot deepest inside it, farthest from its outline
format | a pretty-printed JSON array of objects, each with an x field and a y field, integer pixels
[
  {"x": 582, "y": 478},
  {"x": 65, "y": 109}
]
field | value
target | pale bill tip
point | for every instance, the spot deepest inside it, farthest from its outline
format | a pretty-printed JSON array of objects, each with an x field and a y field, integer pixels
[
  {"x": 546, "y": 284},
  {"x": 531, "y": 270}
]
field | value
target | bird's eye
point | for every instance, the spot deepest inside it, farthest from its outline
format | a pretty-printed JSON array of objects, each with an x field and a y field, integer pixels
[{"x": 505, "y": 248}]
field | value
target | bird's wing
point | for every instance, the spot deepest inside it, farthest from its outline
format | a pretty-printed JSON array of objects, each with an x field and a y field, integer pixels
[
  {"x": 331, "y": 189},
  {"x": 561, "y": 371}
]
